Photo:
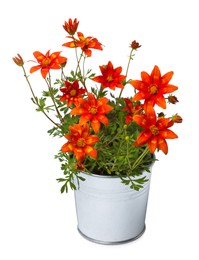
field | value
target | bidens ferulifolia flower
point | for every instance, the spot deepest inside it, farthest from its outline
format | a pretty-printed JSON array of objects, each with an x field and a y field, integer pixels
[
  {"x": 72, "y": 93},
  {"x": 155, "y": 132},
  {"x": 110, "y": 78},
  {"x": 107, "y": 132},
  {"x": 84, "y": 43},
  {"x": 93, "y": 110},
  {"x": 47, "y": 62},
  {"x": 133, "y": 109},
  {"x": 80, "y": 142},
  {"x": 153, "y": 87}
]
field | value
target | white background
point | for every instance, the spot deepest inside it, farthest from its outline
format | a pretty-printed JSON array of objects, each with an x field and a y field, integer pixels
[{"x": 36, "y": 221}]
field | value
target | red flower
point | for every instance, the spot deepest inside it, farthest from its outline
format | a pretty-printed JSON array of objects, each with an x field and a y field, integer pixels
[
  {"x": 155, "y": 132},
  {"x": 71, "y": 26},
  {"x": 133, "y": 109},
  {"x": 47, "y": 62},
  {"x": 93, "y": 110},
  {"x": 153, "y": 87},
  {"x": 110, "y": 78},
  {"x": 84, "y": 43},
  {"x": 72, "y": 93},
  {"x": 80, "y": 142}
]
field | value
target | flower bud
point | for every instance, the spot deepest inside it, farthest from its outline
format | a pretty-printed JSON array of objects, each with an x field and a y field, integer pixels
[
  {"x": 161, "y": 114},
  {"x": 177, "y": 119},
  {"x": 71, "y": 26},
  {"x": 18, "y": 60},
  {"x": 79, "y": 166},
  {"x": 172, "y": 99},
  {"x": 63, "y": 64},
  {"x": 135, "y": 45},
  {"x": 125, "y": 126},
  {"x": 127, "y": 138}
]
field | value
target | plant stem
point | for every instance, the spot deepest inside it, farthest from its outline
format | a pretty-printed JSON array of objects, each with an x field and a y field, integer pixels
[
  {"x": 36, "y": 99},
  {"x": 127, "y": 69},
  {"x": 127, "y": 154},
  {"x": 140, "y": 158},
  {"x": 53, "y": 99}
]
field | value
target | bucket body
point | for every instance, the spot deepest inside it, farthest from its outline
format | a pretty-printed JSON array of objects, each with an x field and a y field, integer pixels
[{"x": 108, "y": 211}]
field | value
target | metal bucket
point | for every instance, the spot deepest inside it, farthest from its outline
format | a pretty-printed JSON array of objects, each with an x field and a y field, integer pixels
[{"x": 109, "y": 212}]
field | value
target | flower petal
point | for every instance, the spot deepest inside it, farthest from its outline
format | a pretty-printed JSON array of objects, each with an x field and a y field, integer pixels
[
  {"x": 167, "y": 77},
  {"x": 141, "y": 120},
  {"x": 156, "y": 75},
  {"x": 78, "y": 111},
  {"x": 68, "y": 147},
  {"x": 143, "y": 138},
  {"x": 162, "y": 145},
  {"x": 79, "y": 154},
  {"x": 146, "y": 77},
  {"x": 160, "y": 101},
  {"x": 168, "y": 89},
  {"x": 89, "y": 150},
  {"x": 168, "y": 134},
  {"x": 103, "y": 119},
  {"x": 92, "y": 139},
  {"x": 95, "y": 125},
  {"x": 35, "y": 68},
  {"x": 153, "y": 143}
]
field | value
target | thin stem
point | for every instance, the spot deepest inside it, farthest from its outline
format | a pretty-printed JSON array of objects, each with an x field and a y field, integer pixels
[
  {"x": 78, "y": 65},
  {"x": 118, "y": 152},
  {"x": 36, "y": 99},
  {"x": 140, "y": 158},
  {"x": 53, "y": 99},
  {"x": 106, "y": 144},
  {"x": 63, "y": 76},
  {"x": 127, "y": 69},
  {"x": 127, "y": 154}
]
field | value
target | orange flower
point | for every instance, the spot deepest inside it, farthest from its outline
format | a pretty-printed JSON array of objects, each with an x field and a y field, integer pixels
[
  {"x": 93, "y": 110},
  {"x": 132, "y": 110},
  {"x": 80, "y": 142},
  {"x": 153, "y": 87},
  {"x": 71, "y": 26},
  {"x": 155, "y": 132},
  {"x": 110, "y": 77},
  {"x": 18, "y": 60},
  {"x": 72, "y": 93},
  {"x": 47, "y": 62},
  {"x": 84, "y": 43}
]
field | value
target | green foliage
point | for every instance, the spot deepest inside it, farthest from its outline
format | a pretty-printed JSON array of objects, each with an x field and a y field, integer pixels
[
  {"x": 116, "y": 153},
  {"x": 70, "y": 172},
  {"x": 117, "y": 156}
]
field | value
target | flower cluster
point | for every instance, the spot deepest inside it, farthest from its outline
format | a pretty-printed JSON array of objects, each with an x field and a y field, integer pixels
[{"x": 105, "y": 134}]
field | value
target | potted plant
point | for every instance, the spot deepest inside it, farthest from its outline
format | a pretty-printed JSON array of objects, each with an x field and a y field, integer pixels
[{"x": 109, "y": 139}]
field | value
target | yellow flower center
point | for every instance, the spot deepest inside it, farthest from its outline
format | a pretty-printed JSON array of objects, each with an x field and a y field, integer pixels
[
  {"x": 153, "y": 89},
  {"x": 154, "y": 130},
  {"x": 93, "y": 110},
  {"x": 81, "y": 142},
  {"x": 46, "y": 62},
  {"x": 73, "y": 92},
  {"x": 109, "y": 78}
]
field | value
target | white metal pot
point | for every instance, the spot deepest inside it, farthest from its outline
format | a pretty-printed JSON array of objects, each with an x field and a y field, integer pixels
[{"x": 109, "y": 212}]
